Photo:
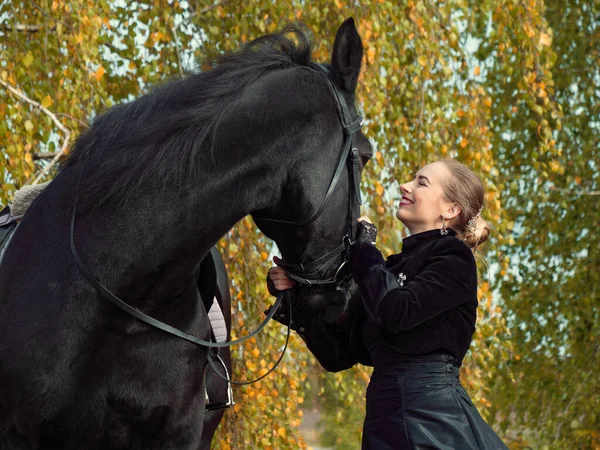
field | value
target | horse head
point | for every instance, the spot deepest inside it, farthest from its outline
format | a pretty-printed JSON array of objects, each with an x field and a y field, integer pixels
[{"x": 314, "y": 221}]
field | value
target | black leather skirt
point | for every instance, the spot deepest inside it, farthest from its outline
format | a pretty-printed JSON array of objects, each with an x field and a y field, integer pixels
[{"x": 418, "y": 403}]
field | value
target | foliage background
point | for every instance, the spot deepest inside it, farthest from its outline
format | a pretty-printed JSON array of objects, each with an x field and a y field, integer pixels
[{"x": 510, "y": 87}]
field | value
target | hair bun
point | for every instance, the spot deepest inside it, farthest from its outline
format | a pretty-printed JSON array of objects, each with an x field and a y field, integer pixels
[{"x": 477, "y": 234}]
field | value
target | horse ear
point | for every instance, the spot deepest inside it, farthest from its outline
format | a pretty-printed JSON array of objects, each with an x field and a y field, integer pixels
[{"x": 347, "y": 55}]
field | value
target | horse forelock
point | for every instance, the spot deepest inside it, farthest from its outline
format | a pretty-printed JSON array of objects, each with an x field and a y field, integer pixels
[{"x": 155, "y": 140}]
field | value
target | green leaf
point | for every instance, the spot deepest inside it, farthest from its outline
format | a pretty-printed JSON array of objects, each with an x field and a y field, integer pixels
[{"x": 28, "y": 59}]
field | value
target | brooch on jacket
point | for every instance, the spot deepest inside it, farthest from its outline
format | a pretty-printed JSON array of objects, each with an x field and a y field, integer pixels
[{"x": 401, "y": 279}]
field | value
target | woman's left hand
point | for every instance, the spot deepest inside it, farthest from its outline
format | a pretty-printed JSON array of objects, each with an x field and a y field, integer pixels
[
  {"x": 367, "y": 232},
  {"x": 364, "y": 254}
]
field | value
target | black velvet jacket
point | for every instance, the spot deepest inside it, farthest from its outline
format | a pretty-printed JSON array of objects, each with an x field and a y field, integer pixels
[
  {"x": 418, "y": 301},
  {"x": 422, "y": 300}
]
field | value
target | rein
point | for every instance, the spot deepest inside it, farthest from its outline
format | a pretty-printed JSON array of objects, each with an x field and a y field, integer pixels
[
  {"x": 108, "y": 295},
  {"x": 301, "y": 273}
]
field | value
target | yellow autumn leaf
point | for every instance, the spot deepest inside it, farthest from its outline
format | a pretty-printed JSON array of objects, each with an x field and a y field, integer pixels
[
  {"x": 555, "y": 166},
  {"x": 28, "y": 125},
  {"x": 379, "y": 189},
  {"x": 477, "y": 70},
  {"x": 529, "y": 31},
  {"x": 545, "y": 39},
  {"x": 422, "y": 60},
  {"x": 281, "y": 431},
  {"x": 371, "y": 55},
  {"x": 99, "y": 73},
  {"x": 46, "y": 101}
]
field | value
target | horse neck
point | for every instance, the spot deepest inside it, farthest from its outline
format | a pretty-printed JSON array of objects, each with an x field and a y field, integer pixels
[{"x": 157, "y": 239}]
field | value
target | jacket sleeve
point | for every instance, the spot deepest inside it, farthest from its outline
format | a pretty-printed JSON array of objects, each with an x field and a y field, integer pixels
[
  {"x": 448, "y": 279},
  {"x": 336, "y": 346}
]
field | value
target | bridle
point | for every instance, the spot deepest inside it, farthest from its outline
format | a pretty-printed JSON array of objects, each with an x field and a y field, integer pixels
[
  {"x": 306, "y": 274},
  {"x": 315, "y": 272}
]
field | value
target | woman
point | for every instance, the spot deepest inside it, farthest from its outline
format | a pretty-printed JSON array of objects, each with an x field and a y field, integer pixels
[{"x": 418, "y": 317}]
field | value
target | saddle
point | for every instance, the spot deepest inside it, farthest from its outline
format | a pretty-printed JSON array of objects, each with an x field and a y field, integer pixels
[{"x": 8, "y": 225}]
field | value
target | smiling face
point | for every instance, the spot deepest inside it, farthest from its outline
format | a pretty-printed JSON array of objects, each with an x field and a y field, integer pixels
[{"x": 424, "y": 201}]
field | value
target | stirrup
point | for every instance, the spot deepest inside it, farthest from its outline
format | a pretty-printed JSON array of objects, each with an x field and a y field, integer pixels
[{"x": 222, "y": 405}]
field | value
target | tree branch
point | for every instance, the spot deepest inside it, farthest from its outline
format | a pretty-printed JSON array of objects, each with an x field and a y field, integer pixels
[
  {"x": 44, "y": 155},
  {"x": 23, "y": 27},
  {"x": 209, "y": 7},
  {"x": 570, "y": 191},
  {"x": 79, "y": 121},
  {"x": 54, "y": 119},
  {"x": 178, "y": 51}
]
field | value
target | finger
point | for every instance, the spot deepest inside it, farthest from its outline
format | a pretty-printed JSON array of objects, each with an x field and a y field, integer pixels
[
  {"x": 364, "y": 219},
  {"x": 284, "y": 279},
  {"x": 283, "y": 285}
]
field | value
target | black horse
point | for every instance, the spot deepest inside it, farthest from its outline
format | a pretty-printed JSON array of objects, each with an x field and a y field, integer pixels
[
  {"x": 213, "y": 282},
  {"x": 158, "y": 182}
]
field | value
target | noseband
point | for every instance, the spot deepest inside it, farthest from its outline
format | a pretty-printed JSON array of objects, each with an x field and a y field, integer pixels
[{"x": 323, "y": 272}]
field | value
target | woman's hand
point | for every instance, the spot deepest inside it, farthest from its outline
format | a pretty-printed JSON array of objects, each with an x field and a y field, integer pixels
[
  {"x": 367, "y": 232},
  {"x": 364, "y": 254},
  {"x": 279, "y": 279}
]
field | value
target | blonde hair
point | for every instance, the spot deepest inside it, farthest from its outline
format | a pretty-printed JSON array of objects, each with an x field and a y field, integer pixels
[{"x": 466, "y": 190}]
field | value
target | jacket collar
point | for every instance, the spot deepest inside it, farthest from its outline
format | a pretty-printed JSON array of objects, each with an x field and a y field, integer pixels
[{"x": 416, "y": 240}]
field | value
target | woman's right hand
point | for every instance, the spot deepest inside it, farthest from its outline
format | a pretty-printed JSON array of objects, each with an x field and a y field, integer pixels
[{"x": 280, "y": 280}]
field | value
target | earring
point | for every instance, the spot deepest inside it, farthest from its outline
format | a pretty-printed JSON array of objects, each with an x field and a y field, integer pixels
[{"x": 443, "y": 230}]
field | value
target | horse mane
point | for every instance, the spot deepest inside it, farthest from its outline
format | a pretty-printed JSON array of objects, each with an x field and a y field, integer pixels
[{"x": 154, "y": 140}]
